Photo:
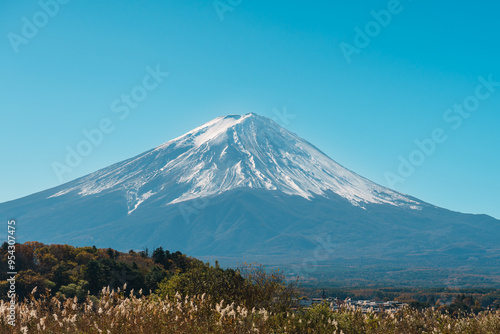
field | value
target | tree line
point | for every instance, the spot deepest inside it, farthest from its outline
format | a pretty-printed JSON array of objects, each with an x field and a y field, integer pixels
[{"x": 67, "y": 271}]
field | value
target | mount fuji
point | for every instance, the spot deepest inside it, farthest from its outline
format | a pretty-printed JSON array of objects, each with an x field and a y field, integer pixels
[{"x": 243, "y": 187}]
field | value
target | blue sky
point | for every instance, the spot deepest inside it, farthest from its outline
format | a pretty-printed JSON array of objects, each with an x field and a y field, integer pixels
[{"x": 365, "y": 110}]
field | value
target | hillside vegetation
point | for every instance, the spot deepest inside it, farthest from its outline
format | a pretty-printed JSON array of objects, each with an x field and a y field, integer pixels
[{"x": 63, "y": 289}]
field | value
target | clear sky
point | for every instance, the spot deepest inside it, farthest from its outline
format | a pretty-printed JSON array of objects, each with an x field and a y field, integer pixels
[{"x": 361, "y": 90}]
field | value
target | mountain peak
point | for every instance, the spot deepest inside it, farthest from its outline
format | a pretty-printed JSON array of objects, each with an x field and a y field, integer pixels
[
  {"x": 229, "y": 152},
  {"x": 214, "y": 128},
  {"x": 235, "y": 116}
]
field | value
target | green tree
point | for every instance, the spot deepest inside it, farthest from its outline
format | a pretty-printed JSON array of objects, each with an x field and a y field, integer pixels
[{"x": 93, "y": 275}]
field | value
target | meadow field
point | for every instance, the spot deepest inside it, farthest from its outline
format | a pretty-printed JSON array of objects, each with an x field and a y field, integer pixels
[{"x": 115, "y": 312}]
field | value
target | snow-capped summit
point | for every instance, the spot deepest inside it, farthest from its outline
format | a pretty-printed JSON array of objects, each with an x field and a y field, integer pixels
[{"x": 233, "y": 152}]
